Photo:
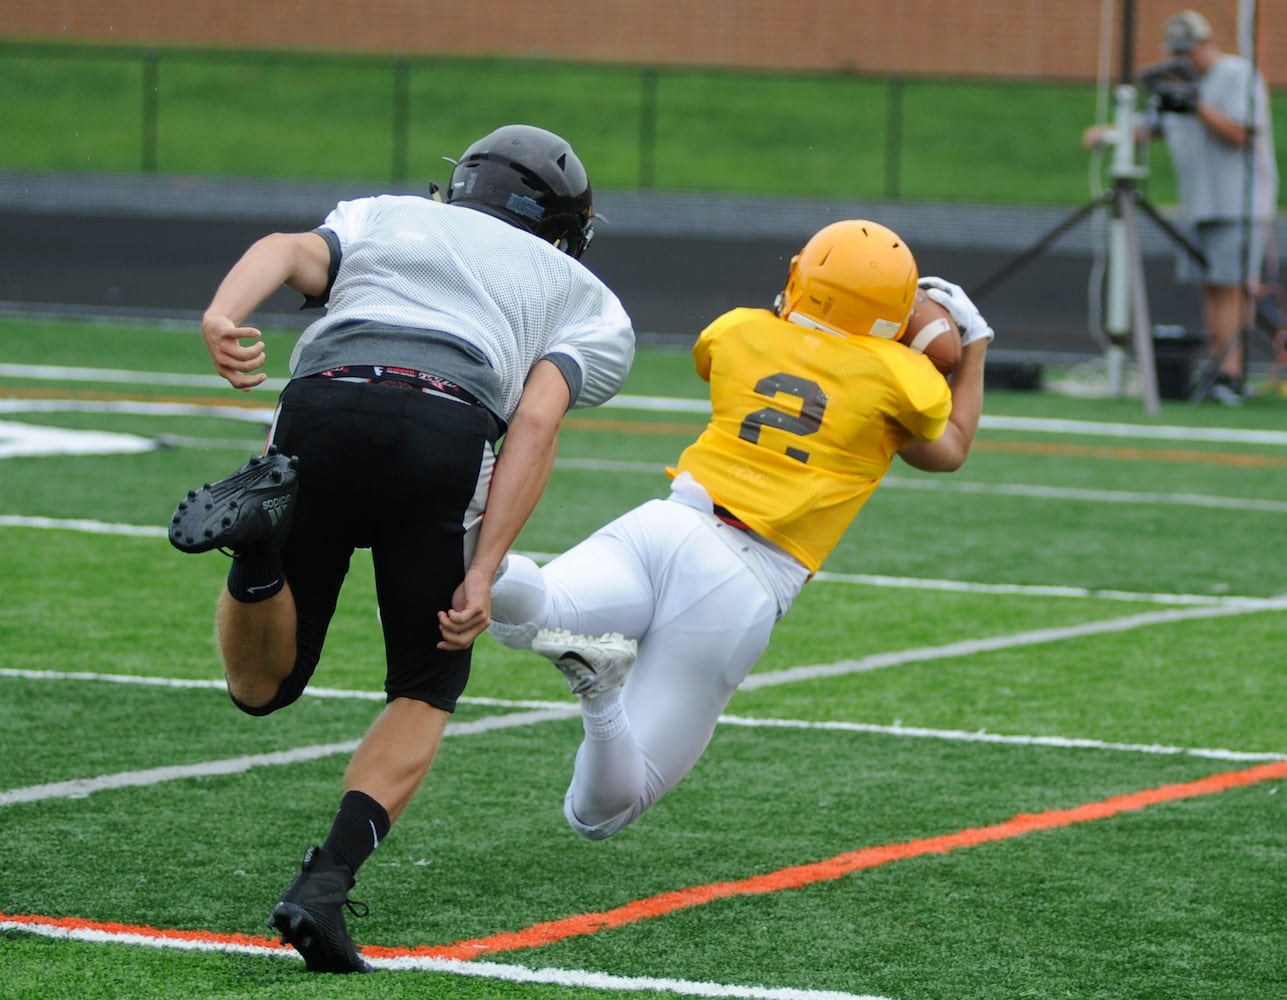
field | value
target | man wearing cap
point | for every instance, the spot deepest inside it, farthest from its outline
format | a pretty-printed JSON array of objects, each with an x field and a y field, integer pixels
[{"x": 1216, "y": 125}]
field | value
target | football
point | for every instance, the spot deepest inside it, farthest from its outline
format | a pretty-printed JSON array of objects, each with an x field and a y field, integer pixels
[{"x": 932, "y": 331}]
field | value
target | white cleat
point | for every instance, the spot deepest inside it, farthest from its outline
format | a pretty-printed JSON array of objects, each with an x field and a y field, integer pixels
[
  {"x": 513, "y": 636},
  {"x": 591, "y": 664}
]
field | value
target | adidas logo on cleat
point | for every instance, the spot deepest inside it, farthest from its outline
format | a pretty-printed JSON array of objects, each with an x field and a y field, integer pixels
[{"x": 276, "y": 507}]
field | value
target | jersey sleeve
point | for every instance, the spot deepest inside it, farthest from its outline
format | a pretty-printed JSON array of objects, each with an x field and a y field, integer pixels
[
  {"x": 928, "y": 399},
  {"x": 707, "y": 339},
  {"x": 598, "y": 342},
  {"x": 348, "y": 218}
]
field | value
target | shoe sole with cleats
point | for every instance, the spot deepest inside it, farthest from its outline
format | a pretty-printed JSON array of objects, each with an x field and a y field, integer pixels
[
  {"x": 252, "y": 505},
  {"x": 592, "y": 664}
]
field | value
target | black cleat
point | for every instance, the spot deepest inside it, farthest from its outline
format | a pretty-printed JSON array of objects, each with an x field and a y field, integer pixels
[
  {"x": 252, "y": 505},
  {"x": 310, "y": 916}
]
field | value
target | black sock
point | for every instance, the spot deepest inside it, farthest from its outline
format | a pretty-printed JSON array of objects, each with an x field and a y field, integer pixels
[
  {"x": 359, "y": 826},
  {"x": 255, "y": 575}
]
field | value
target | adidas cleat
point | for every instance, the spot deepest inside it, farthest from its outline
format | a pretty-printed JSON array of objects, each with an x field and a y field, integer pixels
[
  {"x": 252, "y": 505},
  {"x": 310, "y": 916},
  {"x": 591, "y": 665}
]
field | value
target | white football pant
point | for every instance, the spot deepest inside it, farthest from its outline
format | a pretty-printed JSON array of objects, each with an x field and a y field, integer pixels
[{"x": 701, "y": 603}]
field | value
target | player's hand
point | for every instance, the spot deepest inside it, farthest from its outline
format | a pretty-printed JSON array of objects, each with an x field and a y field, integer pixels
[
  {"x": 1096, "y": 137},
  {"x": 469, "y": 615},
  {"x": 953, "y": 298},
  {"x": 237, "y": 362}
]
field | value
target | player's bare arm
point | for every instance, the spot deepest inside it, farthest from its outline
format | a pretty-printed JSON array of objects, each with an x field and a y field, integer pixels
[
  {"x": 298, "y": 260},
  {"x": 523, "y": 469},
  {"x": 949, "y": 450}
]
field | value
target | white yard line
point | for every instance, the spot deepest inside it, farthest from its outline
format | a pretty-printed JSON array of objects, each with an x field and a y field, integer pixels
[
  {"x": 861, "y": 579},
  {"x": 18, "y": 440},
  {"x": 120, "y": 376},
  {"x": 1204, "y": 606},
  {"x": 981, "y": 736},
  {"x": 654, "y": 404},
  {"x": 79, "y": 788},
  {"x": 255, "y": 414},
  {"x": 82, "y": 524},
  {"x": 969, "y": 647},
  {"x": 572, "y": 978},
  {"x": 544, "y": 712}
]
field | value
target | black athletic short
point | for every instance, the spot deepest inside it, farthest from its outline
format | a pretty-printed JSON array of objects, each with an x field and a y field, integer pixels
[{"x": 397, "y": 471}]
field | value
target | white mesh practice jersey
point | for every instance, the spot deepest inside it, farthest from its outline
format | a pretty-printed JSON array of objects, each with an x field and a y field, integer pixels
[{"x": 412, "y": 263}]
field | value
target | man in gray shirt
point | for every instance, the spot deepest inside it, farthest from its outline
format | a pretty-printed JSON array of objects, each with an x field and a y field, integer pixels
[
  {"x": 1215, "y": 140},
  {"x": 1213, "y": 110}
]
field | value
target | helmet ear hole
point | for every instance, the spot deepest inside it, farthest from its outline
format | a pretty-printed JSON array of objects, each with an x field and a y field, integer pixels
[
  {"x": 854, "y": 277},
  {"x": 530, "y": 178}
]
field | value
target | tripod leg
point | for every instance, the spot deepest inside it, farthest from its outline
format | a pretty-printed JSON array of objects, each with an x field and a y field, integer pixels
[
  {"x": 1140, "y": 325},
  {"x": 1037, "y": 248},
  {"x": 1177, "y": 237}
]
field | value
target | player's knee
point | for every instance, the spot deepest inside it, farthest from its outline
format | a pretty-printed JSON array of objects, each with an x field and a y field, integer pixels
[
  {"x": 268, "y": 708},
  {"x": 253, "y": 702},
  {"x": 518, "y": 595},
  {"x": 595, "y": 831}
]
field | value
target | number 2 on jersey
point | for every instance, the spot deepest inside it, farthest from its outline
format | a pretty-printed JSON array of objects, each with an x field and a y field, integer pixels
[{"x": 813, "y": 403}]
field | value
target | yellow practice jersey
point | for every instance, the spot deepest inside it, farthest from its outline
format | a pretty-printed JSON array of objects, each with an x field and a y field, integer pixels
[{"x": 805, "y": 424}]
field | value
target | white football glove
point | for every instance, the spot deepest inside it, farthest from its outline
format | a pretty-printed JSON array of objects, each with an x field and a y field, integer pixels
[{"x": 953, "y": 298}]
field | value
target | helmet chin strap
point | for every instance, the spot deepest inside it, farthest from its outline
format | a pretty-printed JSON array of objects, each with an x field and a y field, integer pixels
[
  {"x": 799, "y": 319},
  {"x": 882, "y": 328}
]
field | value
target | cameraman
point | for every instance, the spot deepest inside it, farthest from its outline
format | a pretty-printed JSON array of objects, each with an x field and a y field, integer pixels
[{"x": 1204, "y": 104}]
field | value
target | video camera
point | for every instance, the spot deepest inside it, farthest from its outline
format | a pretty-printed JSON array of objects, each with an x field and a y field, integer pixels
[{"x": 1172, "y": 85}]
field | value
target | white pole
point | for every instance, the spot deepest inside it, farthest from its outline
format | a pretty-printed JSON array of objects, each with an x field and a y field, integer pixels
[
  {"x": 1118, "y": 310},
  {"x": 1247, "y": 30}
]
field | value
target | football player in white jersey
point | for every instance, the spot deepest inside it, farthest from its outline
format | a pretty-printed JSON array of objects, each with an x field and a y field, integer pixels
[
  {"x": 447, "y": 324},
  {"x": 657, "y": 617}
]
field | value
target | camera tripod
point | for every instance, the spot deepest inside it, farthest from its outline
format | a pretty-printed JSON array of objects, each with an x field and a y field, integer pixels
[{"x": 1126, "y": 312}]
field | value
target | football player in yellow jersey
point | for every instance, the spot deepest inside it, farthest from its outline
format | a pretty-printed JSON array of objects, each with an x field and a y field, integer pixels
[{"x": 657, "y": 617}]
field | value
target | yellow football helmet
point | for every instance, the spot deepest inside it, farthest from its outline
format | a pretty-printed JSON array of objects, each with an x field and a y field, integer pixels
[{"x": 854, "y": 277}]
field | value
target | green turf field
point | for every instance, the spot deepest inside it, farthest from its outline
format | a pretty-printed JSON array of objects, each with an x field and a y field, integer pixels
[{"x": 1023, "y": 738}]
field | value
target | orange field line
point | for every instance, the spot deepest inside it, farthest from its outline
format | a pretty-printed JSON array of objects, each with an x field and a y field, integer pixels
[
  {"x": 75, "y": 924},
  {"x": 844, "y": 864},
  {"x": 794, "y": 877}
]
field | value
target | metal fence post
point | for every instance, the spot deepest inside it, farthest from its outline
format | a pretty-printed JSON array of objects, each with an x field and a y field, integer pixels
[
  {"x": 150, "y": 109},
  {"x": 647, "y": 128},
  {"x": 893, "y": 136},
  {"x": 401, "y": 117}
]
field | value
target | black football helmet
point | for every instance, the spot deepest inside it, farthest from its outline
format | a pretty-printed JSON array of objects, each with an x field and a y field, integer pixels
[{"x": 530, "y": 178}]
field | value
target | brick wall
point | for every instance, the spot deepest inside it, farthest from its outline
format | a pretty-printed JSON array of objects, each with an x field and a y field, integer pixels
[{"x": 1010, "y": 39}]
